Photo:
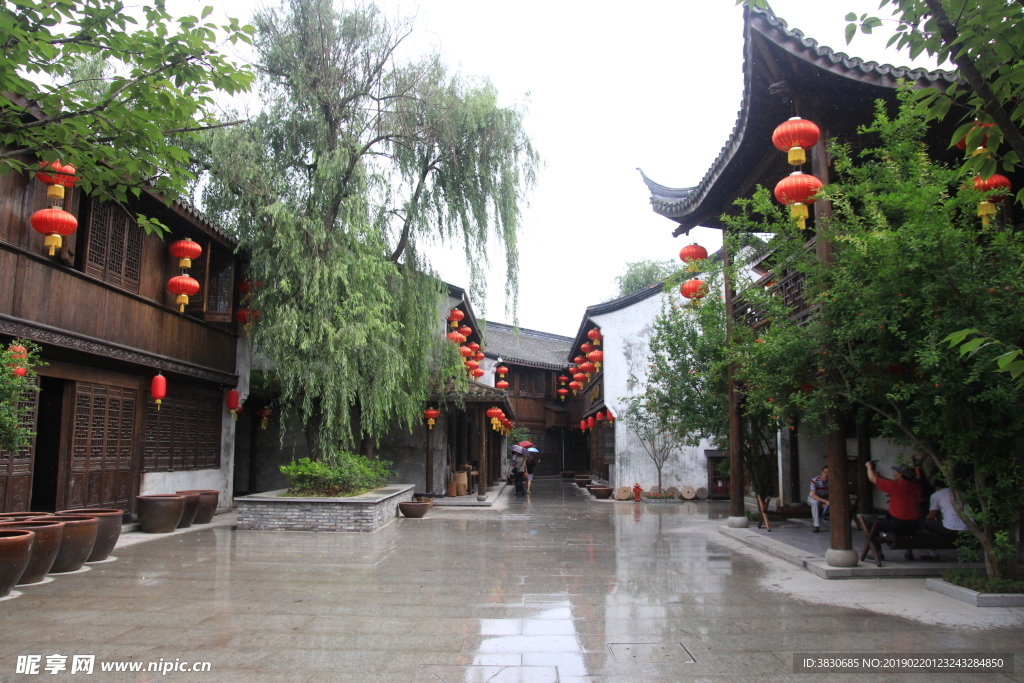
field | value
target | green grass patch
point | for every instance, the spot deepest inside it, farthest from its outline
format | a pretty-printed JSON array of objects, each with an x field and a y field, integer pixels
[{"x": 976, "y": 580}]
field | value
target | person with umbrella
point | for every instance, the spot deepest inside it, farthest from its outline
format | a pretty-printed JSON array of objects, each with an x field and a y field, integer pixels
[
  {"x": 519, "y": 467},
  {"x": 531, "y": 462}
]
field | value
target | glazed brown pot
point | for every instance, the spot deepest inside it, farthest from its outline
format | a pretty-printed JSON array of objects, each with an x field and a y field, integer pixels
[
  {"x": 18, "y": 516},
  {"x": 568, "y": 475},
  {"x": 75, "y": 543},
  {"x": 412, "y": 509},
  {"x": 190, "y": 510},
  {"x": 208, "y": 499},
  {"x": 44, "y": 547},
  {"x": 107, "y": 531},
  {"x": 601, "y": 491},
  {"x": 582, "y": 481},
  {"x": 15, "y": 551},
  {"x": 160, "y": 514}
]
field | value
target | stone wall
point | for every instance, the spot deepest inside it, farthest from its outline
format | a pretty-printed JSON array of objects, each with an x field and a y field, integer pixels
[{"x": 366, "y": 512}]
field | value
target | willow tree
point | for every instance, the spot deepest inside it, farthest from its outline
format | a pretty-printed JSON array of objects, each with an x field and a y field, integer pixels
[{"x": 358, "y": 159}]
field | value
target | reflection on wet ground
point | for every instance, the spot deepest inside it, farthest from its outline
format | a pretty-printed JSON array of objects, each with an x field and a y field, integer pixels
[{"x": 558, "y": 587}]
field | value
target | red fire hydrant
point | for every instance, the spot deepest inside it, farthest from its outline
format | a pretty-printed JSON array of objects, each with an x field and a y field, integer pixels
[{"x": 637, "y": 490}]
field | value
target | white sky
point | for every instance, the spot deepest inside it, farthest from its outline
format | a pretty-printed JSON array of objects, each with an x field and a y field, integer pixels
[{"x": 650, "y": 84}]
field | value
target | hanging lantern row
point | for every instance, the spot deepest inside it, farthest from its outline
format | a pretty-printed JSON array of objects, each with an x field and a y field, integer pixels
[
  {"x": 998, "y": 184},
  {"x": 693, "y": 255},
  {"x": 798, "y": 189},
  {"x": 431, "y": 415},
  {"x": 186, "y": 251},
  {"x": 592, "y": 421},
  {"x": 55, "y": 222},
  {"x": 18, "y": 352}
]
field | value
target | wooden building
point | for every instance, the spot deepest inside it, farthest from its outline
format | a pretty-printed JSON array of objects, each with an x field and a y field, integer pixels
[{"x": 106, "y": 324}]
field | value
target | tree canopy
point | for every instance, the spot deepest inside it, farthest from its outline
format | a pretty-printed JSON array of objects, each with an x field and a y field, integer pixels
[
  {"x": 640, "y": 274},
  {"x": 113, "y": 94},
  {"x": 358, "y": 160}
]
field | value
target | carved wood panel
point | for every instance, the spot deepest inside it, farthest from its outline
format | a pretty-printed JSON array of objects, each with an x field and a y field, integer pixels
[
  {"x": 16, "y": 468},
  {"x": 100, "y": 468},
  {"x": 114, "y": 251}
]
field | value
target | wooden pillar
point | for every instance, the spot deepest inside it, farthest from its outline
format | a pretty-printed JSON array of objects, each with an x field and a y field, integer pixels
[
  {"x": 795, "y": 484},
  {"x": 429, "y": 483},
  {"x": 481, "y": 487},
  {"x": 737, "y": 514},
  {"x": 864, "y": 490},
  {"x": 838, "y": 482}
]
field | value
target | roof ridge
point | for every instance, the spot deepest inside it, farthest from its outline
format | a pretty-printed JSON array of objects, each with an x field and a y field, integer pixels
[{"x": 538, "y": 334}]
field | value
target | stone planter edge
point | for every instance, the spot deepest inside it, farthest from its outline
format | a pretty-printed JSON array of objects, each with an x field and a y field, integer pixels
[
  {"x": 972, "y": 597},
  {"x": 367, "y": 512}
]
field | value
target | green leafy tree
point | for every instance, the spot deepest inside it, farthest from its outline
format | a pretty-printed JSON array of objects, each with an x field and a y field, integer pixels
[
  {"x": 640, "y": 274},
  {"x": 359, "y": 158},
  {"x": 17, "y": 378},
  {"x": 117, "y": 96},
  {"x": 911, "y": 263}
]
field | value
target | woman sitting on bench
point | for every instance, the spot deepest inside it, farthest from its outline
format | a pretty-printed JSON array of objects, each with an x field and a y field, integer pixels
[
  {"x": 950, "y": 526},
  {"x": 904, "y": 498}
]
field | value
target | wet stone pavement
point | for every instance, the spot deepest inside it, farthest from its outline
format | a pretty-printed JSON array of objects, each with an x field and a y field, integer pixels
[{"x": 557, "y": 587}]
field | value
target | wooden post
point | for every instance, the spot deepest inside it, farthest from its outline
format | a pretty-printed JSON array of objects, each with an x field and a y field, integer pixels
[
  {"x": 481, "y": 479},
  {"x": 865, "y": 503},
  {"x": 838, "y": 484},
  {"x": 429, "y": 483},
  {"x": 737, "y": 514}
]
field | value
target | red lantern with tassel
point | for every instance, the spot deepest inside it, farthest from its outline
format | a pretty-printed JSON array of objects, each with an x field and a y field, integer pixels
[
  {"x": 962, "y": 142},
  {"x": 997, "y": 183},
  {"x": 576, "y": 386},
  {"x": 586, "y": 347},
  {"x": 595, "y": 336},
  {"x": 562, "y": 379},
  {"x": 158, "y": 389},
  {"x": 583, "y": 425},
  {"x": 465, "y": 330},
  {"x": 501, "y": 384},
  {"x": 501, "y": 370},
  {"x": 20, "y": 372},
  {"x": 18, "y": 352},
  {"x": 474, "y": 346},
  {"x": 55, "y": 222},
  {"x": 184, "y": 286},
  {"x": 431, "y": 415},
  {"x": 596, "y": 357},
  {"x": 471, "y": 365},
  {"x": 591, "y": 422},
  {"x": 233, "y": 403},
  {"x": 478, "y": 356},
  {"x": 795, "y": 136},
  {"x": 599, "y": 416},
  {"x": 264, "y": 413},
  {"x": 693, "y": 289},
  {"x": 580, "y": 377},
  {"x": 588, "y": 368},
  {"x": 478, "y": 373},
  {"x": 611, "y": 418},
  {"x": 186, "y": 251},
  {"x": 455, "y": 316},
  {"x": 562, "y": 393},
  {"x": 579, "y": 360},
  {"x": 465, "y": 351},
  {"x": 493, "y": 414},
  {"x": 454, "y": 337},
  {"x": 797, "y": 191},
  {"x": 692, "y": 253}
]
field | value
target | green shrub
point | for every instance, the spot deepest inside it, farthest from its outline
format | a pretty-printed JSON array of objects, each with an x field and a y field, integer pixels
[
  {"x": 977, "y": 581},
  {"x": 347, "y": 474}
]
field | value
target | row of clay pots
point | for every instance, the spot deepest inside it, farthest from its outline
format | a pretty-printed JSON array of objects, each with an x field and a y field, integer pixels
[
  {"x": 34, "y": 544},
  {"x": 163, "y": 513}
]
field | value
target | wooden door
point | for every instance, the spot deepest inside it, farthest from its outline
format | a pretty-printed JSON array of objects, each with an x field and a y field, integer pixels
[
  {"x": 98, "y": 469},
  {"x": 16, "y": 468}
]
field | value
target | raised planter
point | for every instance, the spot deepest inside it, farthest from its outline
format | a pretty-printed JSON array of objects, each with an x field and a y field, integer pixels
[
  {"x": 15, "y": 551},
  {"x": 601, "y": 492},
  {"x": 44, "y": 547},
  {"x": 190, "y": 509},
  {"x": 413, "y": 509},
  {"x": 160, "y": 514},
  {"x": 76, "y": 542},
  {"x": 367, "y": 512},
  {"x": 108, "y": 530},
  {"x": 208, "y": 499},
  {"x": 973, "y": 597}
]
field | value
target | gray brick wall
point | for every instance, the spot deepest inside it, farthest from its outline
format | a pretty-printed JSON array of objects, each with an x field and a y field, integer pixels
[{"x": 283, "y": 514}]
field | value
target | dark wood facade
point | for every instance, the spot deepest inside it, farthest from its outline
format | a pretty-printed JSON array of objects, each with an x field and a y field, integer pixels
[{"x": 100, "y": 310}]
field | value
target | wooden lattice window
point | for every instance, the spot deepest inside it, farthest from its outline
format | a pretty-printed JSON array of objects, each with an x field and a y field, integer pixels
[
  {"x": 114, "y": 248},
  {"x": 219, "y": 287},
  {"x": 185, "y": 433},
  {"x": 16, "y": 468},
  {"x": 533, "y": 383},
  {"x": 101, "y": 446}
]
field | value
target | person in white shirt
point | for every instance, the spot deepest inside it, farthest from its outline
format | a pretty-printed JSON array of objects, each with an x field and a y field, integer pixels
[{"x": 950, "y": 526}]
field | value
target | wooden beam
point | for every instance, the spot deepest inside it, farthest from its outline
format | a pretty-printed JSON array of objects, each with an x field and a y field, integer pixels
[{"x": 481, "y": 479}]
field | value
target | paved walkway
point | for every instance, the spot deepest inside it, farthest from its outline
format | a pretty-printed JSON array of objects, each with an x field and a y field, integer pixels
[{"x": 557, "y": 587}]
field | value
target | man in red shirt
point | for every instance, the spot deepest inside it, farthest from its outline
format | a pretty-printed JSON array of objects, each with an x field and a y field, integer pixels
[{"x": 903, "y": 518}]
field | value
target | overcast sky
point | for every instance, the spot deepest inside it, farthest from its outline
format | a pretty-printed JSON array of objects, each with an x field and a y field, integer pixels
[{"x": 650, "y": 84}]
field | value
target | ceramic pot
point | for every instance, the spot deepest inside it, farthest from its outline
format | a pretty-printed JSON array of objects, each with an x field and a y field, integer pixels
[
  {"x": 159, "y": 514},
  {"x": 582, "y": 481},
  {"x": 602, "y": 491},
  {"x": 568, "y": 475},
  {"x": 44, "y": 547},
  {"x": 108, "y": 530},
  {"x": 75, "y": 543},
  {"x": 15, "y": 551},
  {"x": 190, "y": 510},
  {"x": 208, "y": 499},
  {"x": 412, "y": 509},
  {"x": 17, "y": 516}
]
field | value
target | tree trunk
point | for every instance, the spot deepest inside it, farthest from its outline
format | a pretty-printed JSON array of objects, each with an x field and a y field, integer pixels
[{"x": 312, "y": 426}]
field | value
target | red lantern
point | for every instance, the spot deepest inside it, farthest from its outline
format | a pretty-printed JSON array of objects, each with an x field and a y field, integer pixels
[
  {"x": 184, "y": 286},
  {"x": 563, "y": 393},
  {"x": 264, "y": 413},
  {"x": 576, "y": 386},
  {"x": 57, "y": 176},
  {"x": 478, "y": 356},
  {"x": 595, "y": 335},
  {"x": 494, "y": 414},
  {"x": 55, "y": 223},
  {"x": 186, "y": 251},
  {"x": 591, "y": 422},
  {"x": 501, "y": 384},
  {"x": 471, "y": 364},
  {"x": 795, "y": 136},
  {"x": 233, "y": 403},
  {"x": 465, "y": 330},
  {"x": 962, "y": 143},
  {"x": 611, "y": 418},
  {"x": 501, "y": 370},
  {"x": 158, "y": 389},
  {"x": 18, "y": 352},
  {"x": 583, "y": 425},
  {"x": 597, "y": 357},
  {"x": 454, "y": 316},
  {"x": 244, "y": 286},
  {"x": 586, "y": 347},
  {"x": 693, "y": 289},
  {"x": 600, "y": 416},
  {"x": 474, "y": 346},
  {"x": 997, "y": 183},
  {"x": 580, "y": 377},
  {"x": 478, "y": 373},
  {"x": 573, "y": 370},
  {"x": 693, "y": 252},
  {"x": 465, "y": 351},
  {"x": 562, "y": 379},
  {"x": 588, "y": 368},
  {"x": 796, "y": 191},
  {"x": 20, "y": 372},
  {"x": 578, "y": 360}
]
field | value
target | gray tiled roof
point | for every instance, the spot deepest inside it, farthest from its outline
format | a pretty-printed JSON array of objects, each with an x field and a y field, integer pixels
[{"x": 528, "y": 347}]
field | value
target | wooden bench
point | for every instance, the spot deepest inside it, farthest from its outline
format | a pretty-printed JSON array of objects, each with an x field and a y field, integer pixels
[{"x": 922, "y": 540}]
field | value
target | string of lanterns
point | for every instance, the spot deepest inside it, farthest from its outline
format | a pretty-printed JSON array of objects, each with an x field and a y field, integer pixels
[
  {"x": 998, "y": 184},
  {"x": 471, "y": 352},
  {"x": 55, "y": 222},
  {"x": 798, "y": 189}
]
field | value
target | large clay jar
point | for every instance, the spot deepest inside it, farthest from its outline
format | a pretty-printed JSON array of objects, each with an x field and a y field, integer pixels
[
  {"x": 412, "y": 509},
  {"x": 15, "y": 551},
  {"x": 16, "y": 516},
  {"x": 190, "y": 510},
  {"x": 44, "y": 547},
  {"x": 601, "y": 492},
  {"x": 108, "y": 530},
  {"x": 75, "y": 543},
  {"x": 208, "y": 499},
  {"x": 160, "y": 514},
  {"x": 582, "y": 481}
]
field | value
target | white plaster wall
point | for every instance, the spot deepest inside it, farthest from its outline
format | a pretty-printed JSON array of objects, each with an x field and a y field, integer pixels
[{"x": 627, "y": 334}]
